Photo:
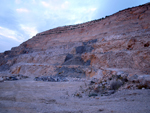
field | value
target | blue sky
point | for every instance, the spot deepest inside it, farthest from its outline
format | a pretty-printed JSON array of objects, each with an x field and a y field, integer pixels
[{"x": 20, "y": 20}]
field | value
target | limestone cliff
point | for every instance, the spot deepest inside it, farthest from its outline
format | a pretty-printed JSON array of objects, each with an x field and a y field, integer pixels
[{"x": 120, "y": 42}]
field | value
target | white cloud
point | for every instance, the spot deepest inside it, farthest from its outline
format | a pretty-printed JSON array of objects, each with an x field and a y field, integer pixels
[
  {"x": 31, "y": 31},
  {"x": 55, "y": 5},
  {"x": 17, "y": 1},
  {"x": 93, "y": 9},
  {"x": 10, "y": 34},
  {"x": 78, "y": 22},
  {"x": 45, "y": 4},
  {"x": 20, "y": 10},
  {"x": 33, "y": 1},
  {"x": 65, "y": 5}
]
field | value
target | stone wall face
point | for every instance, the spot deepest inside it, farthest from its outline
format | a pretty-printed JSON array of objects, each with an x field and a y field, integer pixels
[{"x": 120, "y": 42}]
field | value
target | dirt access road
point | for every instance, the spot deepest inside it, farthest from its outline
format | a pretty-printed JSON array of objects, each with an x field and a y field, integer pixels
[{"x": 28, "y": 96}]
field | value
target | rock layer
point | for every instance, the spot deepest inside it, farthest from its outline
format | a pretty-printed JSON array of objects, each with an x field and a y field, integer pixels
[{"x": 120, "y": 42}]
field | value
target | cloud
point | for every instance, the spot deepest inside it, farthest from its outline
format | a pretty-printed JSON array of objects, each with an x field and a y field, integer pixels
[
  {"x": 65, "y": 5},
  {"x": 31, "y": 31},
  {"x": 55, "y": 4},
  {"x": 45, "y": 4},
  {"x": 68, "y": 10},
  {"x": 33, "y": 1},
  {"x": 93, "y": 9},
  {"x": 22, "y": 10},
  {"x": 10, "y": 34},
  {"x": 8, "y": 18},
  {"x": 17, "y": 1},
  {"x": 7, "y": 44}
]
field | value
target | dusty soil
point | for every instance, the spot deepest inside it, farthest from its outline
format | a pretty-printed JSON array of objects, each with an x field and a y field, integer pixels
[{"x": 28, "y": 96}]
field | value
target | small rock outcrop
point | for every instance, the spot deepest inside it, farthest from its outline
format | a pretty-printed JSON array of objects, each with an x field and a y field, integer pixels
[{"x": 99, "y": 48}]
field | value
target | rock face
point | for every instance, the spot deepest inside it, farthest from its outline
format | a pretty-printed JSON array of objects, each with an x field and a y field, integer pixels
[{"x": 117, "y": 43}]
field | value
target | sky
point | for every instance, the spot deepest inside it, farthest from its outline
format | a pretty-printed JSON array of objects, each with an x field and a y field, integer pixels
[{"x": 20, "y": 20}]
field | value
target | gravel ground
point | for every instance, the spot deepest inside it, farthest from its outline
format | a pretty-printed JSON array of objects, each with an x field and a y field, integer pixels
[{"x": 29, "y": 96}]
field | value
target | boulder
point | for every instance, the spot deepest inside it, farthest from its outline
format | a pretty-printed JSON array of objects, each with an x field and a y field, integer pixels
[
  {"x": 93, "y": 95},
  {"x": 1, "y": 79},
  {"x": 51, "y": 79},
  {"x": 115, "y": 84},
  {"x": 13, "y": 78},
  {"x": 133, "y": 78},
  {"x": 122, "y": 74},
  {"x": 144, "y": 81},
  {"x": 99, "y": 75}
]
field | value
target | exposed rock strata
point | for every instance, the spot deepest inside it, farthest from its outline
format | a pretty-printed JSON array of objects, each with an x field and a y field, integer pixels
[{"x": 120, "y": 42}]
